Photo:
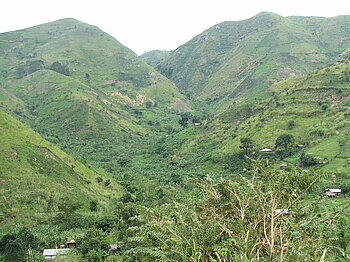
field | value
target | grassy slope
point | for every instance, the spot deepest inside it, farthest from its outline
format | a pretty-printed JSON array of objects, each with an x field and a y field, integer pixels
[
  {"x": 319, "y": 105},
  {"x": 155, "y": 56},
  {"x": 235, "y": 59},
  {"x": 33, "y": 170},
  {"x": 110, "y": 99}
]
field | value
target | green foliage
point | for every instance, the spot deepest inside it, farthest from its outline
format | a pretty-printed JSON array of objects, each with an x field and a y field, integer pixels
[
  {"x": 93, "y": 206},
  {"x": 59, "y": 68},
  {"x": 101, "y": 103},
  {"x": 14, "y": 247},
  {"x": 94, "y": 245},
  {"x": 246, "y": 144},
  {"x": 284, "y": 141},
  {"x": 307, "y": 160},
  {"x": 185, "y": 117},
  {"x": 29, "y": 68},
  {"x": 67, "y": 215},
  {"x": 241, "y": 58},
  {"x": 291, "y": 124},
  {"x": 237, "y": 218}
]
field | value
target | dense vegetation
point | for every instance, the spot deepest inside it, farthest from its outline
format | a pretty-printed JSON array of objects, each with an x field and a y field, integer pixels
[
  {"x": 235, "y": 59},
  {"x": 124, "y": 164}
]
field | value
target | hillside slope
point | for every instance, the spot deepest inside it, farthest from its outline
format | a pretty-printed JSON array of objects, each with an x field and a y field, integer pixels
[
  {"x": 35, "y": 176},
  {"x": 314, "y": 109},
  {"x": 154, "y": 57},
  {"x": 239, "y": 59},
  {"x": 83, "y": 90}
]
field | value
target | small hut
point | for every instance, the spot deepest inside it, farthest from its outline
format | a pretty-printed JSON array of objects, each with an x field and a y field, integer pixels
[
  {"x": 282, "y": 211},
  {"x": 71, "y": 244},
  {"x": 332, "y": 192},
  {"x": 51, "y": 254},
  {"x": 266, "y": 150}
]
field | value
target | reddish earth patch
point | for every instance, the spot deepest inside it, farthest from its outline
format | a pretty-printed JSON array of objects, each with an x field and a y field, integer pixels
[{"x": 180, "y": 105}]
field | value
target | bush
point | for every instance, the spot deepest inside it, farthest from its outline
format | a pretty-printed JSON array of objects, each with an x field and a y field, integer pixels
[
  {"x": 59, "y": 68},
  {"x": 284, "y": 141},
  {"x": 307, "y": 160},
  {"x": 291, "y": 124}
]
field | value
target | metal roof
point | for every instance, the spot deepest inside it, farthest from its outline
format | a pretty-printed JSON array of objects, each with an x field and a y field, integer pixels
[
  {"x": 335, "y": 190},
  {"x": 266, "y": 150},
  {"x": 283, "y": 211},
  {"x": 55, "y": 252}
]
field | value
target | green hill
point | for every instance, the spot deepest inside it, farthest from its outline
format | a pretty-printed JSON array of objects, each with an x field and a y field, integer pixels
[
  {"x": 314, "y": 109},
  {"x": 239, "y": 59},
  {"x": 116, "y": 158},
  {"x": 83, "y": 90},
  {"x": 36, "y": 176},
  {"x": 154, "y": 57}
]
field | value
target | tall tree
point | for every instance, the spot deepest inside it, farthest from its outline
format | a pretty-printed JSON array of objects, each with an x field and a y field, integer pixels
[{"x": 284, "y": 141}]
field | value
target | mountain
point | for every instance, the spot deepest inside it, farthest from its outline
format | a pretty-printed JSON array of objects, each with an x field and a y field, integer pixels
[
  {"x": 35, "y": 176},
  {"x": 314, "y": 109},
  {"x": 84, "y": 91},
  {"x": 239, "y": 59},
  {"x": 154, "y": 57}
]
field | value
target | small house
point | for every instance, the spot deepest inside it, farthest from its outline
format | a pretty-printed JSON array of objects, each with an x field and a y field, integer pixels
[
  {"x": 197, "y": 124},
  {"x": 300, "y": 146},
  {"x": 283, "y": 165},
  {"x": 332, "y": 192},
  {"x": 282, "y": 211},
  {"x": 71, "y": 244},
  {"x": 50, "y": 254},
  {"x": 266, "y": 150}
]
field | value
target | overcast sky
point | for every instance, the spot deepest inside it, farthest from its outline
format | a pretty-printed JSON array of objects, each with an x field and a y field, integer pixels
[{"x": 156, "y": 24}]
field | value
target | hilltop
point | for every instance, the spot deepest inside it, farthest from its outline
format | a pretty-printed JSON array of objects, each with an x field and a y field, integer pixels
[
  {"x": 240, "y": 59},
  {"x": 83, "y": 90}
]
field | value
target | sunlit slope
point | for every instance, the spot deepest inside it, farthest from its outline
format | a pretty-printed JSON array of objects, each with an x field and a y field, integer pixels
[
  {"x": 239, "y": 59},
  {"x": 84, "y": 90},
  {"x": 314, "y": 109},
  {"x": 35, "y": 176}
]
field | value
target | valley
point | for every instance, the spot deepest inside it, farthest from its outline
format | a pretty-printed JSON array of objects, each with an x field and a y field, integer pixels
[{"x": 183, "y": 155}]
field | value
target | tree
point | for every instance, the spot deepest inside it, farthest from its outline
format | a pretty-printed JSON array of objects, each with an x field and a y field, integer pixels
[
  {"x": 307, "y": 160},
  {"x": 246, "y": 144},
  {"x": 59, "y": 68},
  {"x": 93, "y": 206},
  {"x": 284, "y": 141},
  {"x": 291, "y": 124},
  {"x": 107, "y": 182},
  {"x": 14, "y": 247},
  {"x": 185, "y": 117},
  {"x": 67, "y": 215},
  {"x": 236, "y": 220}
]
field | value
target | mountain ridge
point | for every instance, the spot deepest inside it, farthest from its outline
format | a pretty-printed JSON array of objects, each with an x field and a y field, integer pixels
[
  {"x": 239, "y": 58},
  {"x": 76, "y": 84}
]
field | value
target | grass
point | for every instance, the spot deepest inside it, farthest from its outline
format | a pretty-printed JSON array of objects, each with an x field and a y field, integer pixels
[
  {"x": 240, "y": 59},
  {"x": 319, "y": 112},
  {"x": 33, "y": 170}
]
